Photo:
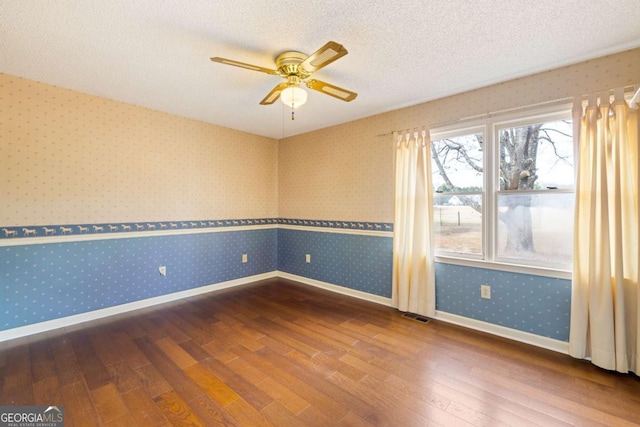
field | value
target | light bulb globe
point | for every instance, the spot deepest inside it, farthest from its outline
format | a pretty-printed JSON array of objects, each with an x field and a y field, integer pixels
[{"x": 293, "y": 96}]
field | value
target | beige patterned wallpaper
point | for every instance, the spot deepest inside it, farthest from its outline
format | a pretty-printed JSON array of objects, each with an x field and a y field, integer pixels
[
  {"x": 67, "y": 157},
  {"x": 346, "y": 172}
]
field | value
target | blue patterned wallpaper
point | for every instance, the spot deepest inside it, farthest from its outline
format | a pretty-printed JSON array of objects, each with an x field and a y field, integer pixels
[
  {"x": 47, "y": 281},
  {"x": 535, "y": 304},
  {"x": 40, "y": 282},
  {"x": 359, "y": 262}
]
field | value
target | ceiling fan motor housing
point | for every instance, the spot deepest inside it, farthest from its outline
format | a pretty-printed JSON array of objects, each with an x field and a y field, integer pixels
[{"x": 288, "y": 65}]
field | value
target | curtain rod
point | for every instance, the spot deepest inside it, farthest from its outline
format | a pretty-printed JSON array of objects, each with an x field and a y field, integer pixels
[{"x": 628, "y": 88}]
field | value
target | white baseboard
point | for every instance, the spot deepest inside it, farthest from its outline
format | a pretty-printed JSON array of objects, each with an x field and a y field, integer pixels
[
  {"x": 513, "y": 334},
  {"x": 335, "y": 288},
  {"x": 62, "y": 322},
  {"x": 502, "y": 331}
]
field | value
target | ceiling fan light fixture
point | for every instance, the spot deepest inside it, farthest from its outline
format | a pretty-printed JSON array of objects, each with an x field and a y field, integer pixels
[
  {"x": 296, "y": 68},
  {"x": 293, "y": 96}
]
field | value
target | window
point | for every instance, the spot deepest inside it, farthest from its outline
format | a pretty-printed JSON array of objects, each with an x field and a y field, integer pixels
[
  {"x": 504, "y": 191},
  {"x": 535, "y": 192},
  {"x": 458, "y": 184}
]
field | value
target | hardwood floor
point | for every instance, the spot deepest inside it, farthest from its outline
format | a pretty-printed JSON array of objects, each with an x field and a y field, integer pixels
[{"x": 284, "y": 354}]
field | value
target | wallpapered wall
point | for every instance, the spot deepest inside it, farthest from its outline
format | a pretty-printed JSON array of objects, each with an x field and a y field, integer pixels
[
  {"x": 535, "y": 304},
  {"x": 346, "y": 172},
  {"x": 362, "y": 263},
  {"x": 70, "y": 158},
  {"x": 73, "y": 160},
  {"x": 55, "y": 280}
]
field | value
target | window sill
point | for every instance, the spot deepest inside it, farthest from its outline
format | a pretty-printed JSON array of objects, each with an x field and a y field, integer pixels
[{"x": 500, "y": 266}]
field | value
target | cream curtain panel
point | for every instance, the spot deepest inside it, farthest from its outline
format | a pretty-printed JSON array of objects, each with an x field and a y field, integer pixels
[
  {"x": 413, "y": 266},
  {"x": 605, "y": 298}
]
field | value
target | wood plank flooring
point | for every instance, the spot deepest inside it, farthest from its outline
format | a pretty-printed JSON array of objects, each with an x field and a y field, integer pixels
[{"x": 277, "y": 353}]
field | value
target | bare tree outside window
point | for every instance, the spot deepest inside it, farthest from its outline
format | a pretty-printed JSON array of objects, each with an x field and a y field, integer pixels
[
  {"x": 534, "y": 192},
  {"x": 458, "y": 164},
  {"x": 536, "y": 158}
]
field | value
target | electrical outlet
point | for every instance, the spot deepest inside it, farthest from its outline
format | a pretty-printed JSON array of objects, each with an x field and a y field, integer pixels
[
  {"x": 307, "y": 258},
  {"x": 485, "y": 291},
  {"x": 162, "y": 270},
  {"x": 245, "y": 258}
]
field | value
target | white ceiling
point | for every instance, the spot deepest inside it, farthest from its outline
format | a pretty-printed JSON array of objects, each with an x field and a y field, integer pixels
[{"x": 155, "y": 53}]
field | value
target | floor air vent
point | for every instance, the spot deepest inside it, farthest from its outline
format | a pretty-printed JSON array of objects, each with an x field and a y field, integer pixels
[{"x": 416, "y": 317}]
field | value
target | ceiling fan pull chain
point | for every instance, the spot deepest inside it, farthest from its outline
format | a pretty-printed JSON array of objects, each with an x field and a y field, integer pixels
[{"x": 293, "y": 114}]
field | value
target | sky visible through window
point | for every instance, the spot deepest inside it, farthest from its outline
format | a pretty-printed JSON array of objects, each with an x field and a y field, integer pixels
[{"x": 554, "y": 165}]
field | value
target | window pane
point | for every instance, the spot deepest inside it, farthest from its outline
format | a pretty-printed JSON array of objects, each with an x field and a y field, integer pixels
[
  {"x": 458, "y": 224},
  {"x": 537, "y": 156},
  {"x": 456, "y": 163},
  {"x": 536, "y": 227}
]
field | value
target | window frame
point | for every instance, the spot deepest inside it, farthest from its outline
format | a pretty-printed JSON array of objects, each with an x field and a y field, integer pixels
[
  {"x": 491, "y": 126},
  {"x": 454, "y": 133}
]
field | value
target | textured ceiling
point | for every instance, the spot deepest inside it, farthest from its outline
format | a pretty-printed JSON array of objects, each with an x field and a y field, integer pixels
[{"x": 155, "y": 53}]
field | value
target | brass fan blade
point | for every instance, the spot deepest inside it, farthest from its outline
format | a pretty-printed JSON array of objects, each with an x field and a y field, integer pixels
[
  {"x": 323, "y": 57},
  {"x": 243, "y": 65},
  {"x": 274, "y": 94},
  {"x": 329, "y": 89}
]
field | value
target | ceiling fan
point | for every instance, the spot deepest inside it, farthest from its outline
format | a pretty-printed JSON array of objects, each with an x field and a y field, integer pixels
[{"x": 296, "y": 68}]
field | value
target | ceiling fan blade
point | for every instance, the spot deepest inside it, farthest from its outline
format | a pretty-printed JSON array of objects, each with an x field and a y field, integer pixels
[
  {"x": 323, "y": 57},
  {"x": 329, "y": 89},
  {"x": 243, "y": 65},
  {"x": 274, "y": 94}
]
